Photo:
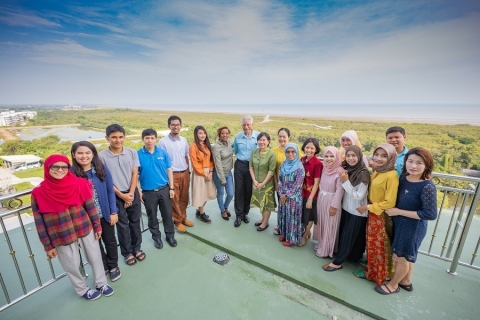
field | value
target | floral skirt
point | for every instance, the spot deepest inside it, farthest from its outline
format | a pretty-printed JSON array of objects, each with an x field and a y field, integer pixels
[{"x": 379, "y": 248}]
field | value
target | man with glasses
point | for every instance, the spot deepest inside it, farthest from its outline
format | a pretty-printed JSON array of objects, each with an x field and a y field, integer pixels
[
  {"x": 177, "y": 148},
  {"x": 243, "y": 145}
]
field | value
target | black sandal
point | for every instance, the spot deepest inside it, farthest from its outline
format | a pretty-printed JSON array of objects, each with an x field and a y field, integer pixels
[
  {"x": 140, "y": 255},
  {"x": 130, "y": 260}
]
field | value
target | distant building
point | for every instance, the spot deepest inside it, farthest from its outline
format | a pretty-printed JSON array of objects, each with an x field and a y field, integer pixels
[
  {"x": 21, "y": 162},
  {"x": 10, "y": 118}
]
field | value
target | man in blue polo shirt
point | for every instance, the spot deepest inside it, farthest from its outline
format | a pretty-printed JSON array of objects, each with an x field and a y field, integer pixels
[
  {"x": 243, "y": 145},
  {"x": 156, "y": 182},
  {"x": 396, "y": 137}
]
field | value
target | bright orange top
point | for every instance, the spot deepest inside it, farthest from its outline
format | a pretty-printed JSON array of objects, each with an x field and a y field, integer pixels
[{"x": 200, "y": 160}]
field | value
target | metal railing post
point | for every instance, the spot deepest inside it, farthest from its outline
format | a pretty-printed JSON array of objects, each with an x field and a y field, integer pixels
[{"x": 463, "y": 236}]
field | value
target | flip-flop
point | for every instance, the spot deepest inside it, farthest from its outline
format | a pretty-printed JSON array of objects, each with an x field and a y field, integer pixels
[
  {"x": 380, "y": 290},
  {"x": 140, "y": 255},
  {"x": 408, "y": 287},
  {"x": 331, "y": 269},
  {"x": 359, "y": 274},
  {"x": 130, "y": 260}
]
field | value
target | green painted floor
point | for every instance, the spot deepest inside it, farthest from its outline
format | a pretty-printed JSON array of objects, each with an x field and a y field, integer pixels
[{"x": 263, "y": 280}]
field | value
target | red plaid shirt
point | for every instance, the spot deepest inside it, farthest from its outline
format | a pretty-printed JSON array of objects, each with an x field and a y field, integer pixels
[{"x": 66, "y": 227}]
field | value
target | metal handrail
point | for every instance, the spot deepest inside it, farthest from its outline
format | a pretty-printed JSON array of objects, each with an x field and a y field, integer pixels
[{"x": 455, "y": 238}]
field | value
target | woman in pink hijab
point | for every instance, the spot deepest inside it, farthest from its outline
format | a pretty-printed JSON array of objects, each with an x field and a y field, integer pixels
[{"x": 329, "y": 204}]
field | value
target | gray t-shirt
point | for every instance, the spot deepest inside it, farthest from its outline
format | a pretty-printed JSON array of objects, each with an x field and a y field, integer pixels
[{"x": 120, "y": 166}]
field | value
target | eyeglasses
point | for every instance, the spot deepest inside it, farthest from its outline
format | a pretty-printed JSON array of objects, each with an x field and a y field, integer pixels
[
  {"x": 57, "y": 168},
  {"x": 175, "y": 124}
]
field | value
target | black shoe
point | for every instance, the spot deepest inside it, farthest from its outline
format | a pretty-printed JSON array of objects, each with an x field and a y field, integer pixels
[
  {"x": 204, "y": 218},
  {"x": 224, "y": 218},
  {"x": 238, "y": 222},
  {"x": 172, "y": 242},
  {"x": 158, "y": 243},
  {"x": 261, "y": 229},
  {"x": 258, "y": 223},
  {"x": 246, "y": 219},
  {"x": 197, "y": 213},
  {"x": 228, "y": 213}
]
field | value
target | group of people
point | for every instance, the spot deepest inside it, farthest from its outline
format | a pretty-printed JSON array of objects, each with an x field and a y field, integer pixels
[{"x": 378, "y": 205}]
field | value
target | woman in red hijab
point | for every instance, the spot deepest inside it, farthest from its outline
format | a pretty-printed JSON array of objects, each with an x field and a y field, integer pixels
[{"x": 65, "y": 215}]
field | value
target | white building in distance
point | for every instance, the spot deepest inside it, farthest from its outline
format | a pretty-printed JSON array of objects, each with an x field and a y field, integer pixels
[{"x": 10, "y": 118}]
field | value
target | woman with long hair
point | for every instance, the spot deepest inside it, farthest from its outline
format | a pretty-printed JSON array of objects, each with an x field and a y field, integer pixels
[
  {"x": 313, "y": 170},
  {"x": 416, "y": 204},
  {"x": 66, "y": 216},
  {"x": 203, "y": 188},
  {"x": 86, "y": 164},
  {"x": 222, "y": 175}
]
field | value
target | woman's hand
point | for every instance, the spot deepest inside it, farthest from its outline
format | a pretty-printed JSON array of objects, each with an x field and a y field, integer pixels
[
  {"x": 343, "y": 175},
  {"x": 332, "y": 211},
  {"x": 392, "y": 212},
  {"x": 98, "y": 235},
  {"x": 52, "y": 253},
  {"x": 362, "y": 209},
  {"x": 308, "y": 205},
  {"x": 256, "y": 184},
  {"x": 283, "y": 199}
]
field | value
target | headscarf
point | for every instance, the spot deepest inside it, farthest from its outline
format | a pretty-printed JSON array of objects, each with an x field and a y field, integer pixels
[
  {"x": 352, "y": 136},
  {"x": 392, "y": 157},
  {"x": 359, "y": 172},
  {"x": 289, "y": 166},
  {"x": 336, "y": 166},
  {"x": 56, "y": 195}
]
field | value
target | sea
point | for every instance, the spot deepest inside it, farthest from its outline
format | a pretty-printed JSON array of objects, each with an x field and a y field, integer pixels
[{"x": 419, "y": 113}]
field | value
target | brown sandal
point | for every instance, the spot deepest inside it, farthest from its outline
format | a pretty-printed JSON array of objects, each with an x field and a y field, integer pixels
[{"x": 130, "y": 260}]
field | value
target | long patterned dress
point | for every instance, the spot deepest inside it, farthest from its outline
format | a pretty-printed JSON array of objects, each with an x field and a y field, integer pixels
[
  {"x": 290, "y": 224},
  {"x": 326, "y": 231},
  {"x": 383, "y": 195},
  {"x": 263, "y": 163}
]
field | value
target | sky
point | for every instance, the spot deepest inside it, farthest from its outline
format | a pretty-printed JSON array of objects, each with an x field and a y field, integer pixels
[{"x": 239, "y": 52}]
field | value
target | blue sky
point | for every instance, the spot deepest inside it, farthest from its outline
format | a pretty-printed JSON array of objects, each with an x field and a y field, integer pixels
[{"x": 246, "y": 51}]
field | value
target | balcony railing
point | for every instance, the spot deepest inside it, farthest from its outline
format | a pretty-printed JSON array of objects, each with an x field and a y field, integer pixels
[{"x": 23, "y": 274}]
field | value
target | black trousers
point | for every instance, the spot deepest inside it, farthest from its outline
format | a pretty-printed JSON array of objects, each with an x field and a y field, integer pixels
[
  {"x": 128, "y": 226},
  {"x": 108, "y": 249},
  {"x": 159, "y": 199},
  {"x": 352, "y": 240},
  {"x": 243, "y": 188}
]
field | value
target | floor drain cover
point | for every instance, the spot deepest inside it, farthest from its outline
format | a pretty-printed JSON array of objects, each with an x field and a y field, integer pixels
[{"x": 221, "y": 258}]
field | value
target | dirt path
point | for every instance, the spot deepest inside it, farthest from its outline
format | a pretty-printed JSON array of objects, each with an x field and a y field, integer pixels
[{"x": 6, "y": 135}]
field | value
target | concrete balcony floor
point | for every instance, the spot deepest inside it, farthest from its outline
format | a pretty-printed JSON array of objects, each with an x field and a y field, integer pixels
[{"x": 263, "y": 280}]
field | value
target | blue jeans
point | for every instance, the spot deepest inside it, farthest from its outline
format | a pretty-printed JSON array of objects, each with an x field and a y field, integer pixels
[{"x": 223, "y": 204}]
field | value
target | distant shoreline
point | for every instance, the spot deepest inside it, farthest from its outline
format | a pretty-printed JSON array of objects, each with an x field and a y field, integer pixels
[{"x": 297, "y": 116}]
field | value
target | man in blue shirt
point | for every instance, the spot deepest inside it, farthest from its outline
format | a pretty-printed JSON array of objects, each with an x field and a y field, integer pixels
[
  {"x": 156, "y": 181},
  {"x": 396, "y": 137},
  {"x": 243, "y": 145}
]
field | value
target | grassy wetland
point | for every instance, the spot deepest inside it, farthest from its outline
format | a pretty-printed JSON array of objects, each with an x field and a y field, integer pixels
[{"x": 454, "y": 147}]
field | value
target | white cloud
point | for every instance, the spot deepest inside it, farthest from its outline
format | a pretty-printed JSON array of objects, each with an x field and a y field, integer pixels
[{"x": 21, "y": 18}]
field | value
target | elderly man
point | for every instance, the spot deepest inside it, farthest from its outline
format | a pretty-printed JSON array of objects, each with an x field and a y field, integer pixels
[{"x": 243, "y": 145}]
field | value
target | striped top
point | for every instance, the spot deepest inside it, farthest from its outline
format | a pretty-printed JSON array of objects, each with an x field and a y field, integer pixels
[
  {"x": 66, "y": 227},
  {"x": 354, "y": 197}
]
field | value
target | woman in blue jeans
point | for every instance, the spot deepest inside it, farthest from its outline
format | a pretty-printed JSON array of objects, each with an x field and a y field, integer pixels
[{"x": 222, "y": 175}]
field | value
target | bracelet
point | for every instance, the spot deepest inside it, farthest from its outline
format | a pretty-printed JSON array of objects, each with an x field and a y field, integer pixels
[
  {"x": 309, "y": 200},
  {"x": 172, "y": 189}
]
